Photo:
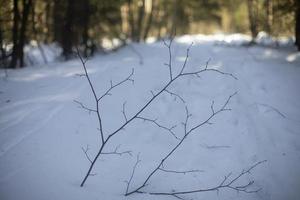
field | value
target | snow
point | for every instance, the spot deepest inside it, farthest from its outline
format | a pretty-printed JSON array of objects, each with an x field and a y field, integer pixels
[{"x": 42, "y": 130}]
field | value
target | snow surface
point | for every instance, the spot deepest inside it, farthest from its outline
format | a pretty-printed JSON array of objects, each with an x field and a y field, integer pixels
[{"x": 42, "y": 130}]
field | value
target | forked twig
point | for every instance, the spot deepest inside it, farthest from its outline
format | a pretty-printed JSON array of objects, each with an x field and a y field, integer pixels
[
  {"x": 154, "y": 121},
  {"x": 116, "y": 152},
  {"x": 132, "y": 173}
]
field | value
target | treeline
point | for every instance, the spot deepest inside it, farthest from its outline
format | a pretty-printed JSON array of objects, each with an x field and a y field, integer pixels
[{"x": 87, "y": 23}]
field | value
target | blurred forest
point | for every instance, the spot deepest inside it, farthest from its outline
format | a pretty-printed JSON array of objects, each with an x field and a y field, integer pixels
[{"x": 87, "y": 24}]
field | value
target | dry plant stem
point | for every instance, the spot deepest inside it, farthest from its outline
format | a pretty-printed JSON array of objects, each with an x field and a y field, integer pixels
[
  {"x": 137, "y": 115},
  {"x": 133, "y": 170},
  {"x": 226, "y": 183},
  {"x": 97, "y": 111},
  {"x": 94, "y": 94},
  {"x": 187, "y": 132},
  {"x": 170, "y": 56}
]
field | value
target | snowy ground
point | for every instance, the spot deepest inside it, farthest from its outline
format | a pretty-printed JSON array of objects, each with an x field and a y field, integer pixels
[{"x": 42, "y": 130}]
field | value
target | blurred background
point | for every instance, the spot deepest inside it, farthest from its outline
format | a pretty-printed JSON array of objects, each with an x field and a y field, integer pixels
[{"x": 93, "y": 25}]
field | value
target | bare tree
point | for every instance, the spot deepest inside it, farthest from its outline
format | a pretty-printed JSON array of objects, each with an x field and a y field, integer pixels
[
  {"x": 173, "y": 77},
  {"x": 253, "y": 22}
]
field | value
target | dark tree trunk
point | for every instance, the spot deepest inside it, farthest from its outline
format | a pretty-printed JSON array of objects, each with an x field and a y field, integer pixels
[
  {"x": 252, "y": 12},
  {"x": 59, "y": 11},
  {"x": 297, "y": 27},
  {"x": 26, "y": 9},
  {"x": 15, "y": 34},
  {"x": 68, "y": 36},
  {"x": 85, "y": 33},
  {"x": 19, "y": 33}
]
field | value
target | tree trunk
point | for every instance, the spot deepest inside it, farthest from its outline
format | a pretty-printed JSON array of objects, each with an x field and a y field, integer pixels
[
  {"x": 173, "y": 27},
  {"x": 131, "y": 19},
  {"x": 85, "y": 32},
  {"x": 140, "y": 19},
  {"x": 15, "y": 34},
  {"x": 297, "y": 27},
  {"x": 48, "y": 21},
  {"x": 252, "y": 12},
  {"x": 67, "y": 37},
  {"x": 269, "y": 17},
  {"x": 26, "y": 9},
  {"x": 2, "y": 48},
  {"x": 149, "y": 22},
  {"x": 59, "y": 11}
]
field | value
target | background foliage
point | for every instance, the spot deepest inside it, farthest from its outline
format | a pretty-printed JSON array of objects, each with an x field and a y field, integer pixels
[{"x": 88, "y": 23}]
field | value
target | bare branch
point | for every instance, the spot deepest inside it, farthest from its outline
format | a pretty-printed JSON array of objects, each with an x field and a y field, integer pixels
[
  {"x": 133, "y": 171},
  {"x": 197, "y": 73},
  {"x": 154, "y": 121},
  {"x": 186, "y": 58},
  {"x": 175, "y": 95},
  {"x": 222, "y": 109},
  {"x": 272, "y": 108},
  {"x": 137, "y": 114},
  {"x": 185, "y": 124},
  {"x": 112, "y": 86},
  {"x": 212, "y": 107},
  {"x": 116, "y": 152},
  {"x": 153, "y": 95},
  {"x": 186, "y": 134},
  {"x": 170, "y": 56},
  {"x": 84, "y": 107},
  {"x": 85, "y": 151},
  {"x": 222, "y": 185},
  {"x": 80, "y": 75},
  {"x": 123, "y": 111},
  {"x": 94, "y": 94},
  {"x": 180, "y": 172},
  {"x": 178, "y": 197}
]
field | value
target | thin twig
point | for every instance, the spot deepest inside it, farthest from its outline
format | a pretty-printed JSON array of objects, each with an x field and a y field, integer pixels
[
  {"x": 124, "y": 112},
  {"x": 180, "y": 172},
  {"x": 84, "y": 107},
  {"x": 94, "y": 94},
  {"x": 170, "y": 56},
  {"x": 85, "y": 151},
  {"x": 112, "y": 86},
  {"x": 209, "y": 70},
  {"x": 154, "y": 121},
  {"x": 186, "y": 58},
  {"x": 175, "y": 95},
  {"x": 116, "y": 152},
  {"x": 133, "y": 171},
  {"x": 272, "y": 108}
]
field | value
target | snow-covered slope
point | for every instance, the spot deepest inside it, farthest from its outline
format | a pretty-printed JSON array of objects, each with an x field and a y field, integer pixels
[{"x": 42, "y": 130}]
